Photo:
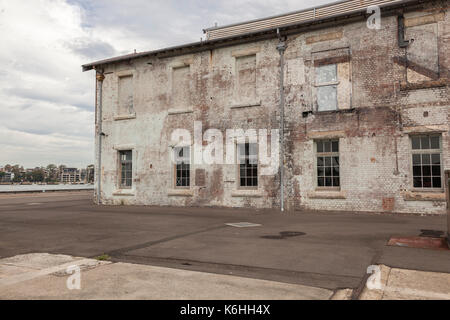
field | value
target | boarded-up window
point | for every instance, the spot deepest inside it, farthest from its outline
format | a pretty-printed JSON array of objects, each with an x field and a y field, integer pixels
[
  {"x": 181, "y": 91},
  {"x": 422, "y": 53},
  {"x": 126, "y": 95},
  {"x": 246, "y": 78}
]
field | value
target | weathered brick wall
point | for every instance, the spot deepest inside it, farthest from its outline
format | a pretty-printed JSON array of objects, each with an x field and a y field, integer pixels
[{"x": 373, "y": 127}]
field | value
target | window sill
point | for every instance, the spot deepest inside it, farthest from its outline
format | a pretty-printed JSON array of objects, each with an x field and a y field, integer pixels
[
  {"x": 180, "y": 193},
  {"x": 124, "y": 193},
  {"x": 125, "y": 117},
  {"x": 424, "y": 196},
  {"x": 327, "y": 194},
  {"x": 180, "y": 111},
  {"x": 406, "y": 86},
  {"x": 247, "y": 193},
  {"x": 246, "y": 105},
  {"x": 349, "y": 110},
  {"x": 326, "y": 84}
]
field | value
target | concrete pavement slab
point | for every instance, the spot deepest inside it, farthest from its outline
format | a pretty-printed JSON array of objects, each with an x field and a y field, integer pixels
[
  {"x": 400, "y": 284},
  {"x": 129, "y": 281}
]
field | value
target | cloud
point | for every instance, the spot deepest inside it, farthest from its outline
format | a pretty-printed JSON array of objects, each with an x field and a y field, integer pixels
[{"x": 47, "y": 103}]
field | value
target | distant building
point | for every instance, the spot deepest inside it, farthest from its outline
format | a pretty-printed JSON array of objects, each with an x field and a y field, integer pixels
[
  {"x": 8, "y": 177},
  {"x": 70, "y": 175},
  {"x": 83, "y": 175},
  {"x": 90, "y": 174}
]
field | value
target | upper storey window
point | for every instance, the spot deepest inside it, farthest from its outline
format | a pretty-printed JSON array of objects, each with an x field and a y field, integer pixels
[
  {"x": 326, "y": 83},
  {"x": 332, "y": 87},
  {"x": 181, "y": 89},
  {"x": 126, "y": 94},
  {"x": 422, "y": 52},
  {"x": 246, "y": 78}
]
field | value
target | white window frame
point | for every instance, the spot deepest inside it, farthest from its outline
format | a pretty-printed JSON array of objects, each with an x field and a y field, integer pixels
[
  {"x": 326, "y": 84},
  {"x": 327, "y": 154},
  {"x": 174, "y": 168},
  {"x": 427, "y": 151},
  {"x": 238, "y": 172}
]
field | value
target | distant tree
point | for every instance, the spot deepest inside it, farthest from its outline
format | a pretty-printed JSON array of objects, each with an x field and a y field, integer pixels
[
  {"x": 52, "y": 173},
  {"x": 18, "y": 173},
  {"x": 28, "y": 177},
  {"x": 38, "y": 175}
]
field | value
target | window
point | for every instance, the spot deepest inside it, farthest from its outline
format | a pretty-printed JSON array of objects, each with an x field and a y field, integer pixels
[
  {"x": 423, "y": 53},
  {"x": 427, "y": 162},
  {"x": 248, "y": 165},
  {"x": 181, "y": 90},
  {"x": 328, "y": 174},
  {"x": 126, "y": 169},
  {"x": 246, "y": 78},
  {"x": 182, "y": 167},
  {"x": 126, "y": 95},
  {"x": 326, "y": 83}
]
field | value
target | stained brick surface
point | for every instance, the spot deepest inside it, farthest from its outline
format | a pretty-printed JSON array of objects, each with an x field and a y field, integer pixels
[{"x": 373, "y": 125}]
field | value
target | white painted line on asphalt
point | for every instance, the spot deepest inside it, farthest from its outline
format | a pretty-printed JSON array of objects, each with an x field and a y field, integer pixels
[{"x": 243, "y": 225}]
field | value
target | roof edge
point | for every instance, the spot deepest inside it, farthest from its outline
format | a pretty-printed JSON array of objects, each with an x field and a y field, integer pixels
[{"x": 223, "y": 41}]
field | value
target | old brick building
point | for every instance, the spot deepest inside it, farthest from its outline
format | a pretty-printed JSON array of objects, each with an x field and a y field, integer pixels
[{"x": 363, "y": 113}]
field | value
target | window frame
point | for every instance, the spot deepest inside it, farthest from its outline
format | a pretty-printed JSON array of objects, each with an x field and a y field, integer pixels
[
  {"x": 318, "y": 85},
  {"x": 175, "y": 169},
  {"x": 238, "y": 173},
  {"x": 121, "y": 163},
  {"x": 426, "y": 151},
  {"x": 327, "y": 154}
]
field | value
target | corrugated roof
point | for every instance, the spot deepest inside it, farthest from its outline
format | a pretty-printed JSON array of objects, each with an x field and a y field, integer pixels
[
  {"x": 315, "y": 13},
  {"x": 221, "y": 35}
]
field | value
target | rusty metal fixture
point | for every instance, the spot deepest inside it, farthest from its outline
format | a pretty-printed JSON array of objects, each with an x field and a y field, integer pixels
[{"x": 100, "y": 77}]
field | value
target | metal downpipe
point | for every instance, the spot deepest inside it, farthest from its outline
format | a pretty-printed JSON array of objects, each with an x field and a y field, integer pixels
[
  {"x": 99, "y": 78},
  {"x": 281, "y": 47}
]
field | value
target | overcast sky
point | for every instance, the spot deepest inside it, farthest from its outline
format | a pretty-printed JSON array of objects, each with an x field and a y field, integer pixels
[{"x": 47, "y": 103}]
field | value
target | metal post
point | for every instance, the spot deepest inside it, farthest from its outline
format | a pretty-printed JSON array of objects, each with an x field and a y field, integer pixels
[{"x": 281, "y": 47}]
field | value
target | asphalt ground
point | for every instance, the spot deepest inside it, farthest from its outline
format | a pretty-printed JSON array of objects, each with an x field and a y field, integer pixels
[{"x": 328, "y": 250}]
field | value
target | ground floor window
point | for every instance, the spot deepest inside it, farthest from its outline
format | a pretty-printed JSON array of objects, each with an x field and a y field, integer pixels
[
  {"x": 248, "y": 165},
  {"x": 328, "y": 173},
  {"x": 182, "y": 167},
  {"x": 126, "y": 169},
  {"x": 427, "y": 161}
]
